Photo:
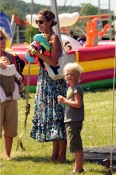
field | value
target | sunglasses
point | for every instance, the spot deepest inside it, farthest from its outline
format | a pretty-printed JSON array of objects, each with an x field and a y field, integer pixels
[
  {"x": 1, "y": 37},
  {"x": 39, "y": 21}
]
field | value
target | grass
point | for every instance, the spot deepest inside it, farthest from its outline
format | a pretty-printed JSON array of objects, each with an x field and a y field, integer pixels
[{"x": 97, "y": 131}]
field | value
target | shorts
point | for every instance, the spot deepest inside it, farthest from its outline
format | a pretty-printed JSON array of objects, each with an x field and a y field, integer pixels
[
  {"x": 73, "y": 131},
  {"x": 9, "y": 118}
]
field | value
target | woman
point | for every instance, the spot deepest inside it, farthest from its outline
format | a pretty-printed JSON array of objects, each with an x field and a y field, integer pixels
[
  {"x": 8, "y": 109},
  {"x": 48, "y": 116}
]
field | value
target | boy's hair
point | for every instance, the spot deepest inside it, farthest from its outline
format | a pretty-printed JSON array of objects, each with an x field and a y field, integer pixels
[{"x": 73, "y": 67}]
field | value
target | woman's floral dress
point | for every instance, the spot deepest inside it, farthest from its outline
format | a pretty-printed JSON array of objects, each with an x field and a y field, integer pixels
[{"x": 48, "y": 119}]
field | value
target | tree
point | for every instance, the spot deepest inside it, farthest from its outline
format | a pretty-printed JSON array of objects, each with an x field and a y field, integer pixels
[
  {"x": 29, "y": 33},
  {"x": 21, "y": 9},
  {"x": 88, "y": 9}
]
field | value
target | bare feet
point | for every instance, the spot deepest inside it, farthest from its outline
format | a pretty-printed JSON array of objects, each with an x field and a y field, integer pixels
[
  {"x": 58, "y": 159},
  {"x": 7, "y": 158},
  {"x": 54, "y": 158},
  {"x": 62, "y": 159}
]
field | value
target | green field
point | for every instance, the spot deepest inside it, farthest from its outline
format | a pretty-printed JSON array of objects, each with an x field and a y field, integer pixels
[{"x": 99, "y": 130}]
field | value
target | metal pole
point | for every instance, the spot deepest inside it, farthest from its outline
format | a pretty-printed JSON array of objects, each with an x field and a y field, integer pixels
[
  {"x": 57, "y": 27},
  {"x": 55, "y": 11},
  {"x": 17, "y": 39},
  {"x": 99, "y": 12},
  {"x": 99, "y": 9},
  {"x": 113, "y": 111},
  {"x": 110, "y": 37},
  {"x": 115, "y": 29}
]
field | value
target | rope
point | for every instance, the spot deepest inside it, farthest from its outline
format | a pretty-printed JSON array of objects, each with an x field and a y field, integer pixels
[
  {"x": 27, "y": 108},
  {"x": 64, "y": 4},
  {"x": 27, "y": 111},
  {"x": 70, "y": 7}
]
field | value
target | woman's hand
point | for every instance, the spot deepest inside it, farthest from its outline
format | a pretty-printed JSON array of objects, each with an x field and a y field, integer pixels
[
  {"x": 30, "y": 50},
  {"x": 21, "y": 86}
]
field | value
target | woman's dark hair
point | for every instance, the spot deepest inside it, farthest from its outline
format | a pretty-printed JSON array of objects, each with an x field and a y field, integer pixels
[{"x": 49, "y": 16}]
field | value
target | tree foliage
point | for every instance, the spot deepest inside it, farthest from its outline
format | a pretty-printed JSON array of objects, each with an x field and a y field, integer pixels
[
  {"x": 88, "y": 9},
  {"x": 21, "y": 9},
  {"x": 30, "y": 32}
]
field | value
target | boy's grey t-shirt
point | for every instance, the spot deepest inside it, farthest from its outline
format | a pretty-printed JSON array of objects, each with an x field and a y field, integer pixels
[{"x": 71, "y": 113}]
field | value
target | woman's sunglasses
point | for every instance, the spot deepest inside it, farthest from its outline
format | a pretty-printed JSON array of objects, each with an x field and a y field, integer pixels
[
  {"x": 2, "y": 37},
  {"x": 39, "y": 21}
]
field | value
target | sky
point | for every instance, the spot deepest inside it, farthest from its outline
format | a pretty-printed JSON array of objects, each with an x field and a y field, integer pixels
[{"x": 104, "y": 4}]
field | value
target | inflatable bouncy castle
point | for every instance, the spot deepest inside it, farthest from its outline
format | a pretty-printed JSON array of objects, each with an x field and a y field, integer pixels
[{"x": 97, "y": 62}]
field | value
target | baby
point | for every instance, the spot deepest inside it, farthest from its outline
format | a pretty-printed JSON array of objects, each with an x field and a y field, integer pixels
[{"x": 8, "y": 87}]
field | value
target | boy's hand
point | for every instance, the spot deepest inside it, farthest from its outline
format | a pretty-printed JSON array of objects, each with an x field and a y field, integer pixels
[{"x": 61, "y": 99}]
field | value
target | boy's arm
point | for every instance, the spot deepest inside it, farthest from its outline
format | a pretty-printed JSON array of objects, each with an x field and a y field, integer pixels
[{"x": 77, "y": 103}]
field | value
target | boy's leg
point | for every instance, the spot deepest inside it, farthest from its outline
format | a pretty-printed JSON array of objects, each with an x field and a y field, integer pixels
[
  {"x": 16, "y": 95},
  {"x": 78, "y": 161}
]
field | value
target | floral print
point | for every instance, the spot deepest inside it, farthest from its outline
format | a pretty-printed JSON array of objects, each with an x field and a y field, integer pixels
[{"x": 48, "y": 119}]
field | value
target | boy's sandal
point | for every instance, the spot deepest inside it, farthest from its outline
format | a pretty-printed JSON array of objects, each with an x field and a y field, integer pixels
[{"x": 80, "y": 172}]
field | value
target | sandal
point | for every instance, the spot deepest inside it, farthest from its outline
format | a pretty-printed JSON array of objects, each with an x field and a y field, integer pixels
[{"x": 80, "y": 172}]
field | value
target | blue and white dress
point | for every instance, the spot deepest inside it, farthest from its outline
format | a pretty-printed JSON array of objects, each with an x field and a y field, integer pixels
[{"x": 48, "y": 119}]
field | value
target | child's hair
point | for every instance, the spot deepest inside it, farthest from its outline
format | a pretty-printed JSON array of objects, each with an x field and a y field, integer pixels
[
  {"x": 73, "y": 67},
  {"x": 3, "y": 57}
]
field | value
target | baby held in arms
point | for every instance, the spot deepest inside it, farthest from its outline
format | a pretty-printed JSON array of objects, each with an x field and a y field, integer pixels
[{"x": 9, "y": 89}]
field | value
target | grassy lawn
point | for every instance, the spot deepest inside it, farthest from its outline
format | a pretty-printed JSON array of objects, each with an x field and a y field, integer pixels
[{"x": 97, "y": 131}]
